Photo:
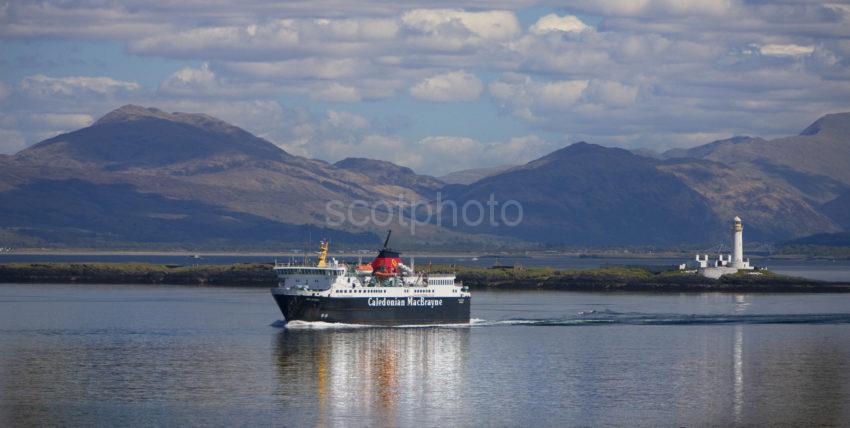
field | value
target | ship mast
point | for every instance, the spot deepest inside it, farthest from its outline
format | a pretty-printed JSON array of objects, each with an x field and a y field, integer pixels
[
  {"x": 387, "y": 241},
  {"x": 323, "y": 254}
]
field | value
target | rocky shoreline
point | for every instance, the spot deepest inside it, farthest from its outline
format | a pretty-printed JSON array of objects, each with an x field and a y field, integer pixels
[{"x": 606, "y": 279}]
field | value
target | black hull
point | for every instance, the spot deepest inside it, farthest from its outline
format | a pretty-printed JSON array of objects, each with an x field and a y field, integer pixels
[{"x": 375, "y": 311}]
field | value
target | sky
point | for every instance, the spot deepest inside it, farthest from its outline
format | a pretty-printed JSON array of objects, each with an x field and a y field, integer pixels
[{"x": 436, "y": 86}]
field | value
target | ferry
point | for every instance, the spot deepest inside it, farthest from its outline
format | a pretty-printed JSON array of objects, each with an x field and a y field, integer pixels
[{"x": 383, "y": 292}]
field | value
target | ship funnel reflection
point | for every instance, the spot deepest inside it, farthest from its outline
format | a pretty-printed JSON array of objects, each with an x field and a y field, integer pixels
[{"x": 392, "y": 375}]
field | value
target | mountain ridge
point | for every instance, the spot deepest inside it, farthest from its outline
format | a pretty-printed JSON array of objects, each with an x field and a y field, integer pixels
[
  {"x": 822, "y": 148},
  {"x": 586, "y": 194},
  {"x": 581, "y": 194}
]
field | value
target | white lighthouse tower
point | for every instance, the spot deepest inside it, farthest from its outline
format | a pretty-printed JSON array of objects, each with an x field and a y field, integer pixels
[
  {"x": 726, "y": 263},
  {"x": 738, "y": 240}
]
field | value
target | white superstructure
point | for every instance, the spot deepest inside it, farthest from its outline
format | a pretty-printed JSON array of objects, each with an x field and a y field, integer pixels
[{"x": 341, "y": 280}]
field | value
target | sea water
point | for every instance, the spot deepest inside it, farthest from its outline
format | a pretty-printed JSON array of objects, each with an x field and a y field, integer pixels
[{"x": 119, "y": 355}]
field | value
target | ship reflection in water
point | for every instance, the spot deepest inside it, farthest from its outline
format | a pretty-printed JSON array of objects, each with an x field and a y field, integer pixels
[{"x": 369, "y": 374}]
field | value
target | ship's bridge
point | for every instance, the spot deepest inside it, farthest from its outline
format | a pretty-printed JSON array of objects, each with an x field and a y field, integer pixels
[{"x": 308, "y": 277}]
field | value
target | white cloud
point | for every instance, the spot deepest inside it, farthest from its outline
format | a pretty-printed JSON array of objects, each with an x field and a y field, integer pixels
[
  {"x": 336, "y": 92},
  {"x": 190, "y": 80},
  {"x": 444, "y": 154},
  {"x": 452, "y": 86},
  {"x": 346, "y": 120},
  {"x": 610, "y": 93},
  {"x": 314, "y": 68},
  {"x": 43, "y": 86},
  {"x": 555, "y": 23},
  {"x": 786, "y": 50},
  {"x": 646, "y": 71},
  {"x": 490, "y": 25},
  {"x": 528, "y": 98},
  {"x": 657, "y": 8}
]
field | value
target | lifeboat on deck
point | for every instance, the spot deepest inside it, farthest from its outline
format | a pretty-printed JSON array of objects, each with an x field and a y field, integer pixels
[{"x": 364, "y": 268}]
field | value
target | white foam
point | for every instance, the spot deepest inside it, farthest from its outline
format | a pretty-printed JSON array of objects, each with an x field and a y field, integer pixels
[{"x": 322, "y": 325}]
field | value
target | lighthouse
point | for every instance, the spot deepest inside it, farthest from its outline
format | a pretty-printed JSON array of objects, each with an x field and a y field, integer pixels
[
  {"x": 738, "y": 240},
  {"x": 725, "y": 264}
]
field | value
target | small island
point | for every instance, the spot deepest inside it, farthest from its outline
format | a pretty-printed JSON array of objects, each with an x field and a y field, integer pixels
[{"x": 604, "y": 279}]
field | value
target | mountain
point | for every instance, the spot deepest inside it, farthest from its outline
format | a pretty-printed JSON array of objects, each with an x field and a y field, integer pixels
[
  {"x": 838, "y": 210},
  {"x": 158, "y": 159},
  {"x": 706, "y": 150},
  {"x": 134, "y": 136},
  {"x": 784, "y": 187},
  {"x": 773, "y": 207},
  {"x": 586, "y": 194},
  {"x": 647, "y": 153},
  {"x": 142, "y": 176},
  {"x": 384, "y": 173},
  {"x": 195, "y": 157},
  {"x": 469, "y": 176},
  {"x": 78, "y": 212},
  {"x": 823, "y": 148}
]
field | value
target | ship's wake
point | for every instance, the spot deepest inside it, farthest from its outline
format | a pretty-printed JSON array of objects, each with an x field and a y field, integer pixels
[
  {"x": 607, "y": 317},
  {"x": 587, "y": 318}
]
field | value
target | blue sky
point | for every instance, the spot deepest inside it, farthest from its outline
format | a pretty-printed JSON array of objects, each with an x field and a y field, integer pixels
[{"x": 432, "y": 86}]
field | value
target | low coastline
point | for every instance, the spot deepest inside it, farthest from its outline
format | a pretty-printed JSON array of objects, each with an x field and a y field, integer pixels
[{"x": 605, "y": 279}]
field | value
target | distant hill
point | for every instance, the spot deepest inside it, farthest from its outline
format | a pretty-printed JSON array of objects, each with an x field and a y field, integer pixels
[
  {"x": 824, "y": 245},
  {"x": 841, "y": 239},
  {"x": 587, "y": 194},
  {"x": 823, "y": 148},
  {"x": 469, "y": 176}
]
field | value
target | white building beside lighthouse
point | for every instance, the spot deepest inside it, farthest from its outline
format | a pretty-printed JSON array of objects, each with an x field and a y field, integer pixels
[{"x": 726, "y": 263}]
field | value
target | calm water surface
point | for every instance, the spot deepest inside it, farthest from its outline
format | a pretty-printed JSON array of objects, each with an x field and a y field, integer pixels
[{"x": 147, "y": 355}]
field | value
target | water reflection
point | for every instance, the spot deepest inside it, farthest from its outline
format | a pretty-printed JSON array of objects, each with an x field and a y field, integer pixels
[
  {"x": 189, "y": 356},
  {"x": 738, "y": 367},
  {"x": 370, "y": 374}
]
